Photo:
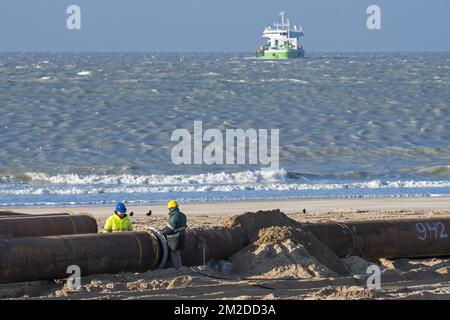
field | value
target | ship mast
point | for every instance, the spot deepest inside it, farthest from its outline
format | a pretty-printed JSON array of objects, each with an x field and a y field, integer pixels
[
  {"x": 288, "y": 27},
  {"x": 282, "y": 18}
]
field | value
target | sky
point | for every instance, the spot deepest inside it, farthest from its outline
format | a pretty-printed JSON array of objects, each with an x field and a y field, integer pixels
[{"x": 221, "y": 25}]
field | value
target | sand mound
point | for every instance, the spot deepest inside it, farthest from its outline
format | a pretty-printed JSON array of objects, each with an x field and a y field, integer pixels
[
  {"x": 252, "y": 222},
  {"x": 287, "y": 252},
  {"x": 282, "y": 249}
]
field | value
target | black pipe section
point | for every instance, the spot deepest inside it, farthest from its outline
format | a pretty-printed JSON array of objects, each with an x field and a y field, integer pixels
[
  {"x": 25, "y": 215},
  {"x": 11, "y": 214},
  {"x": 203, "y": 245},
  {"x": 31, "y": 226},
  {"x": 399, "y": 238},
  {"x": 41, "y": 258}
]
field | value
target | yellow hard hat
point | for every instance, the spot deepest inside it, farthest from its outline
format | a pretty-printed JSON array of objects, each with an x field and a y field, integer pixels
[{"x": 172, "y": 204}]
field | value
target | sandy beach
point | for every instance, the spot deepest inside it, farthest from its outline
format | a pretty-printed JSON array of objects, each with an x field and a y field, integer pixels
[
  {"x": 288, "y": 206},
  {"x": 274, "y": 266}
]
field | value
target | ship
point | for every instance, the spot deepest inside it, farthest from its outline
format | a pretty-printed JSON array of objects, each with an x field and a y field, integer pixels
[{"x": 283, "y": 41}]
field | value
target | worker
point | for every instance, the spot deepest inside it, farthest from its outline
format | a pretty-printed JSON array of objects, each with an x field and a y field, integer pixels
[
  {"x": 119, "y": 221},
  {"x": 175, "y": 233}
]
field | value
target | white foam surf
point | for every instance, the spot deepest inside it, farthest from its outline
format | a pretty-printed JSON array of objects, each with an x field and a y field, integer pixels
[{"x": 253, "y": 181}]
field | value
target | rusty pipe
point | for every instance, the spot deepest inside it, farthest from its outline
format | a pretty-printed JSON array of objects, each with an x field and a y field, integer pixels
[
  {"x": 41, "y": 258},
  {"x": 203, "y": 245},
  {"x": 399, "y": 238},
  {"x": 4, "y": 215},
  {"x": 31, "y": 226},
  {"x": 11, "y": 214}
]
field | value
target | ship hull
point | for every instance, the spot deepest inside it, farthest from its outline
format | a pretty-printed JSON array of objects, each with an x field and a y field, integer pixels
[{"x": 281, "y": 54}]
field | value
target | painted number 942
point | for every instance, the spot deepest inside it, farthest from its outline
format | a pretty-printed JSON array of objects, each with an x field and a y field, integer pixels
[{"x": 431, "y": 230}]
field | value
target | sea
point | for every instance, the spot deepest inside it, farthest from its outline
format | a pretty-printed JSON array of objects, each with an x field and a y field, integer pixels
[{"x": 86, "y": 129}]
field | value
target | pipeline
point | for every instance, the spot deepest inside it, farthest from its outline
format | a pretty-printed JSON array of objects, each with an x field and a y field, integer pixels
[
  {"x": 11, "y": 214},
  {"x": 46, "y": 258},
  {"x": 41, "y": 258},
  {"x": 4, "y": 215},
  {"x": 204, "y": 245},
  {"x": 400, "y": 238},
  {"x": 35, "y": 226}
]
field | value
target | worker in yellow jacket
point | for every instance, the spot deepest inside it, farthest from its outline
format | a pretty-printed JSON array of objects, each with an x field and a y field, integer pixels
[{"x": 119, "y": 221}]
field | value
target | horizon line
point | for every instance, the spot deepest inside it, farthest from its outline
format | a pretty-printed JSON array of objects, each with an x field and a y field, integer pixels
[{"x": 214, "y": 52}]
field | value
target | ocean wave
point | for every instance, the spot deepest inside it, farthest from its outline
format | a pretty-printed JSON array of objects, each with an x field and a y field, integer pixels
[
  {"x": 244, "y": 177},
  {"x": 408, "y": 177},
  {"x": 285, "y": 80},
  {"x": 438, "y": 171},
  {"x": 145, "y": 188},
  {"x": 84, "y": 73},
  {"x": 126, "y": 81}
]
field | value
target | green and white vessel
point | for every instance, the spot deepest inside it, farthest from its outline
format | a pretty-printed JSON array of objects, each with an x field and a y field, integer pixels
[{"x": 283, "y": 41}]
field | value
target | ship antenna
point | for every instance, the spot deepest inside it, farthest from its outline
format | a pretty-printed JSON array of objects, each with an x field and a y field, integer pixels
[
  {"x": 288, "y": 27},
  {"x": 282, "y": 18}
]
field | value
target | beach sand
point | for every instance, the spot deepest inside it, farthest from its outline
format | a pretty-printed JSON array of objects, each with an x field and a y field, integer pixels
[
  {"x": 273, "y": 267},
  {"x": 287, "y": 206}
]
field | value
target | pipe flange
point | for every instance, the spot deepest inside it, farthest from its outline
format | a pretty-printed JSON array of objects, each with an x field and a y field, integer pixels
[{"x": 163, "y": 241}]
